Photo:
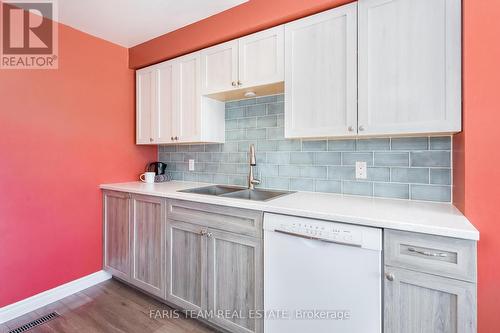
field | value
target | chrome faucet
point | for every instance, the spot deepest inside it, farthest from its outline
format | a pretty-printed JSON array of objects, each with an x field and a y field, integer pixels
[{"x": 253, "y": 162}]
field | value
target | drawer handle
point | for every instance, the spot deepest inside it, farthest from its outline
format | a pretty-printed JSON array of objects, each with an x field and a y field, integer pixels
[
  {"x": 427, "y": 253},
  {"x": 389, "y": 276},
  {"x": 203, "y": 232}
]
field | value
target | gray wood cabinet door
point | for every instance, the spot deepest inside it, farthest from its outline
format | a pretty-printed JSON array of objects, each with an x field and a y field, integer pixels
[
  {"x": 116, "y": 212},
  {"x": 424, "y": 303},
  {"x": 186, "y": 265},
  {"x": 235, "y": 286},
  {"x": 147, "y": 244}
]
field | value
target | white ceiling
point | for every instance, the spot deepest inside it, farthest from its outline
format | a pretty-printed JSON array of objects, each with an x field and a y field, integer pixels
[{"x": 131, "y": 22}]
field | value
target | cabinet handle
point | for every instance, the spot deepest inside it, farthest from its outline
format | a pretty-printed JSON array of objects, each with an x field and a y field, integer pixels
[
  {"x": 209, "y": 235},
  {"x": 350, "y": 128},
  {"x": 203, "y": 232},
  {"x": 361, "y": 128},
  {"x": 239, "y": 83},
  {"x": 176, "y": 138},
  {"x": 171, "y": 138},
  {"x": 150, "y": 139},
  {"x": 427, "y": 253},
  {"x": 233, "y": 84},
  {"x": 389, "y": 276}
]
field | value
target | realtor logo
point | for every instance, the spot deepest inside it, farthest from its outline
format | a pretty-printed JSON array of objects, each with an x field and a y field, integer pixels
[{"x": 29, "y": 37}]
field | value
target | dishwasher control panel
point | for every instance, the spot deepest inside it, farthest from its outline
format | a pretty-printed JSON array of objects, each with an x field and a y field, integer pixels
[
  {"x": 333, "y": 232},
  {"x": 329, "y": 232}
]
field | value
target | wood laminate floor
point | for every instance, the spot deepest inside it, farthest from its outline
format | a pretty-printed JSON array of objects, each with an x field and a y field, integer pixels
[{"x": 110, "y": 306}]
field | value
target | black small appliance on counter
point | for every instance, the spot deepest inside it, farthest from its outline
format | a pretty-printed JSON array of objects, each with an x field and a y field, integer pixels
[{"x": 157, "y": 167}]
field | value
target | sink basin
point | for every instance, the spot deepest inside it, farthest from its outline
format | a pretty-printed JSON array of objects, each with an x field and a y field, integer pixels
[
  {"x": 214, "y": 190},
  {"x": 257, "y": 195},
  {"x": 237, "y": 192}
]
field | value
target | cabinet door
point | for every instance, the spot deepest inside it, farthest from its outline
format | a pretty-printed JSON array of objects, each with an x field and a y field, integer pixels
[
  {"x": 320, "y": 74},
  {"x": 424, "y": 303},
  {"x": 219, "y": 68},
  {"x": 409, "y": 66},
  {"x": 187, "y": 98},
  {"x": 116, "y": 234},
  {"x": 163, "y": 117},
  {"x": 148, "y": 244},
  {"x": 186, "y": 265},
  {"x": 261, "y": 58},
  {"x": 235, "y": 280},
  {"x": 146, "y": 105}
]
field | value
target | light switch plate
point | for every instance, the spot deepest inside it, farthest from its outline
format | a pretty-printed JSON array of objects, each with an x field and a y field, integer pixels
[
  {"x": 191, "y": 165},
  {"x": 360, "y": 170}
]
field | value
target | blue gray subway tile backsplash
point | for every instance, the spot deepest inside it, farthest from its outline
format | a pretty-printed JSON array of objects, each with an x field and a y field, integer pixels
[{"x": 415, "y": 168}]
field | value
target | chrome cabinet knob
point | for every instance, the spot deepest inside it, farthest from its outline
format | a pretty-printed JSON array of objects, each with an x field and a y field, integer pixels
[
  {"x": 361, "y": 128},
  {"x": 239, "y": 83},
  {"x": 233, "y": 84},
  {"x": 389, "y": 276},
  {"x": 209, "y": 235},
  {"x": 171, "y": 138},
  {"x": 203, "y": 232},
  {"x": 150, "y": 139},
  {"x": 350, "y": 128},
  {"x": 176, "y": 138}
]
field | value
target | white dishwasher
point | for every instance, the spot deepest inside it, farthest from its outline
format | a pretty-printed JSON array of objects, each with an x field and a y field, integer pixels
[{"x": 321, "y": 277}]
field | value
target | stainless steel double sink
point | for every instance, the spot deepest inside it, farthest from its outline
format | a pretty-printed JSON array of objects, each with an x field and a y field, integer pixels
[{"x": 237, "y": 192}]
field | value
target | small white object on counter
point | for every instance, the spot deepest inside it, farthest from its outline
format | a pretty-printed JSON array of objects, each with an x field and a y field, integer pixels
[{"x": 441, "y": 219}]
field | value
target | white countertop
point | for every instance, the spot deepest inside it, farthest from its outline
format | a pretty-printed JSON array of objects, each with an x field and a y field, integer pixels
[{"x": 426, "y": 217}]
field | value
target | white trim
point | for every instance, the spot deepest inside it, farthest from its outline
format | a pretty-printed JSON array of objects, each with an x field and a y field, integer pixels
[{"x": 37, "y": 301}]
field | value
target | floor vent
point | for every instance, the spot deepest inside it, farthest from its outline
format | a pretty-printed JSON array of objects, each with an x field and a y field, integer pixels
[{"x": 35, "y": 323}]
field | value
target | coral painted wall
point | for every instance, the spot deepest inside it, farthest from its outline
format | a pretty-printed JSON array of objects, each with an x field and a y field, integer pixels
[
  {"x": 477, "y": 154},
  {"x": 62, "y": 133},
  {"x": 241, "y": 20}
]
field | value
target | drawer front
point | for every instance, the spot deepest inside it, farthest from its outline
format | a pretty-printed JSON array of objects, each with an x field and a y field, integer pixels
[
  {"x": 240, "y": 221},
  {"x": 444, "y": 256}
]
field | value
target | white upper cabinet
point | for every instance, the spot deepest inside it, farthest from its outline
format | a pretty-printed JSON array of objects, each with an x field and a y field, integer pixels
[
  {"x": 368, "y": 68},
  {"x": 219, "y": 67},
  {"x": 162, "y": 118},
  {"x": 187, "y": 99},
  {"x": 170, "y": 107},
  {"x": 409, "y": 66},
  {"x": 145, "y": 106},
  {"x": 320, "y": 74},
  {"x": 261, "y": 58},
  {"x": 250, "y": 61}
]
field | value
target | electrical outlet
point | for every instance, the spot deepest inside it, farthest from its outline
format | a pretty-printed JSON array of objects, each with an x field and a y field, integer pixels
[
  {"x": 191, "y": 165},
  {"x": 360, "y": 170}
]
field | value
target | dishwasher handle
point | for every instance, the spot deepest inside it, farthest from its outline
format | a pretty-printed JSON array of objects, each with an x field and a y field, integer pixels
[{"x": 315, "y": 238}]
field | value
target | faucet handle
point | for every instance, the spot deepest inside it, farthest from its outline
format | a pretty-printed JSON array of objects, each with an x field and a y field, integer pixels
[{"x": 255, "y": 181}]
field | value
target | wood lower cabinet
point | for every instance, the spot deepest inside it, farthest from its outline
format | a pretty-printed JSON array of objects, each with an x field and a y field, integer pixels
[
  {"x": 209, "y": 259},
  {"x": 147, "y": 225},
  {"x": 235, "y": 280},
  {"x": 423, "y": 303},
  {"x": 134, "y": 240},
  {"x": 186, "y": 265},
  {"x": 430, "y": 283},
  {"x": 216, "y": 271},
  {"x": 116, "y": 233}
]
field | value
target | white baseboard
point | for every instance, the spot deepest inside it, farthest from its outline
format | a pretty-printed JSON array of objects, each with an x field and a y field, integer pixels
[{"x": 32, "y": 303}]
